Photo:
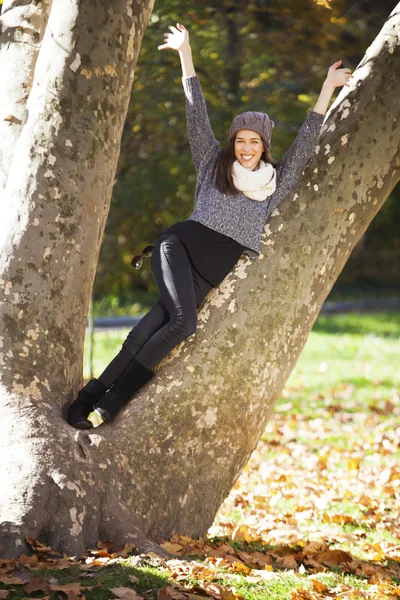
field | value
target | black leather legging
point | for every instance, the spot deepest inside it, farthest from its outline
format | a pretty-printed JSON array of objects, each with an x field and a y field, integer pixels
[{"x": 173, "y": 318}]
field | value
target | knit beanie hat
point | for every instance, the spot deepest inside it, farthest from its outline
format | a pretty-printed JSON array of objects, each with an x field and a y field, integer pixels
[{"x": 255, "y": 121}]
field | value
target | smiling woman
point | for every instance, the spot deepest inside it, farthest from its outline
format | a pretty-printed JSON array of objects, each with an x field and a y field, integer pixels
[
  {"x": 248, "y": 150},
  {"x": 237, "y": 190}
]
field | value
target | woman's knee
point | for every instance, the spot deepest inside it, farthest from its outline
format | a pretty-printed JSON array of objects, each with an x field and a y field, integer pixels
[{"x": 183, "y": 326}]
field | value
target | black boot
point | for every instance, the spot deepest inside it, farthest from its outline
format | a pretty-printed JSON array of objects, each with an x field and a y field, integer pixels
[
  {"x": 83, "y": 405},
  {"x": 134, "y": 377}
]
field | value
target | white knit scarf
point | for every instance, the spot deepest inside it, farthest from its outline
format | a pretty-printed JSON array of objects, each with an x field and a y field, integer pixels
[{"x": 257, "y": 184}]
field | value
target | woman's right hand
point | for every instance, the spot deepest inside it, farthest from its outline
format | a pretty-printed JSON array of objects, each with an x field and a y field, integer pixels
[{"x": 177, "y": 40}]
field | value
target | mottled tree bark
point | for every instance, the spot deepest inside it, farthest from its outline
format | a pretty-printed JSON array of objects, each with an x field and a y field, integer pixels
[
  {"x": 174, "y": 454},
  {"x": 22, "y": 26}
]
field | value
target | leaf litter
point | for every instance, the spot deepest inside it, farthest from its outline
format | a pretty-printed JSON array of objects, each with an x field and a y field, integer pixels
[{"x": 319, "y": 499}]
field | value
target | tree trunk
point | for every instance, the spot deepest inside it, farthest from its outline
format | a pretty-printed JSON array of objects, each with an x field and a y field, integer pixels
[
  {"x": 22, "y": 28},
  {"x": 174, "y": 454}
]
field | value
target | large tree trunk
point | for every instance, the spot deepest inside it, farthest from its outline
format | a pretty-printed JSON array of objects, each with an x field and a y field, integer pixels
[{"x": 171, "y": 459}]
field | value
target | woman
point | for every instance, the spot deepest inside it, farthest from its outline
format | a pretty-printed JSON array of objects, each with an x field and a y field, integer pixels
[{"x": 237, "y": 190}]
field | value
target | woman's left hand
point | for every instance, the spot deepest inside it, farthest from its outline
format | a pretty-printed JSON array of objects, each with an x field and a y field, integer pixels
[{"x": 337, "y": 77}]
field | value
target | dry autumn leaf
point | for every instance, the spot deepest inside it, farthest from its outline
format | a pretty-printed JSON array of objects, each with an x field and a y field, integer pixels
[
  {"x": 125, "y": 593},
  {"x": 125, "y": 552},
  {"x": 12, "y": 581},
  {"x": 239, "y": 567},
  {"x": 106, "y": 545},
  {"x": 227, "y": 594},
  {"x": 319, "y": 587},
  {"x": 28, "y": 561},
  {"x": 38, "y": 546},
  {"x": 71, "y": 588},
  {"x": 3, "y": 594},
  {"x": 172, "y": 548},
  {"x": 6, "y": 566},
  {"x": 314, "y": 548},
  {"x": 37, "y": 584},
  {"x": 332, "y": 558},
  {"x": 260, "y": 558},
  {"x": 242, "y": 532},
  {"x": 171, "y": 593},
  {"x": 300, "y": 594},
  {"x": 288, "y": 562},
  {"x": 184, "y": 539}
]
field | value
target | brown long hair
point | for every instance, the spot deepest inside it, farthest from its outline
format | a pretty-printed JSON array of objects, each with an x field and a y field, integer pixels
[{"x": 223, "y": 167}]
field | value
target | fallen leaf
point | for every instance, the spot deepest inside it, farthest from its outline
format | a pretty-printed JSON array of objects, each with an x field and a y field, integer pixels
[
  {"x": 4, "y": 594},
  {"x": 37, "y": 584},
  {"x": 288, "y": 562},
  {"x": 186, "y": 540},
  {"x": 28, "y": 561},
  {"x": 37, "y": 546},
  {"x": 125, "y": 593},
  {"x": 332, "y": 558},
  {"x": 261, "y": 559},
  {"x": 227, "y": 594},
  {"x": 314, "y": 548},
  {"x": 7, "y": 565},
  {"x": 173, "y": 548},
  {"x": 300, "y": 594},
  {"x": 70, "y": 587},
  {"x": 319, "y": 587},
  {"x": 101, "y": 554},
  {"x": 125, "y": 552},
  {"x": 242, "y": 532},
  {"x": 62, "y": 564},
  {"x": 239, "y": 567},
  {"x": 106, "y": 545},
  {"x": 171, "y": 593},
  {"x": 12, "y": 581}
]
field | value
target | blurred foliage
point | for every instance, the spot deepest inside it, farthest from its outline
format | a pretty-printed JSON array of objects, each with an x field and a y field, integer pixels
[{"x": 268, "y": 56}]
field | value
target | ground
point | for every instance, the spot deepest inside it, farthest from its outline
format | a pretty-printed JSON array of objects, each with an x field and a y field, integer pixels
[{"x": 315, "y": 513}]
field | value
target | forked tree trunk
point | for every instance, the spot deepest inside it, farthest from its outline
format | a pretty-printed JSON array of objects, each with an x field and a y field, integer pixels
[{"x": 174, "y": 454}]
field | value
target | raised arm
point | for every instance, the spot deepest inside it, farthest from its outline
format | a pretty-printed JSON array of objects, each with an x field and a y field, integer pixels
[
  {"x": 201, "y": 136},
  {"x": 302, "y": 149}
]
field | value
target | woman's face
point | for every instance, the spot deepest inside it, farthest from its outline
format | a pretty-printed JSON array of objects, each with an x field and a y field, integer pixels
[{"x": 248, "y": 148}]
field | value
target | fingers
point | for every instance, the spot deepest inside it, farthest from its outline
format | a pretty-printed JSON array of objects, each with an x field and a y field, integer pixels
[{"x": 169, "y": 36}]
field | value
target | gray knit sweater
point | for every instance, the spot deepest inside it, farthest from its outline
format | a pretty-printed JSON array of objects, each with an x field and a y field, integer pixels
[{"x": 239, "y": 217}]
